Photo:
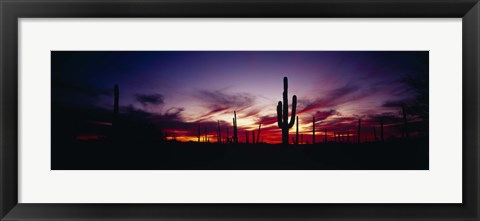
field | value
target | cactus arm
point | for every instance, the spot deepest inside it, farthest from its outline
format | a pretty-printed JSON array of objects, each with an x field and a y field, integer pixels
[
  {"x": 279, "y": 114},
  {"x": 285, "y": 107},
  {"x": 296, "y": 135},
  {"x": 294, "y": 111}
]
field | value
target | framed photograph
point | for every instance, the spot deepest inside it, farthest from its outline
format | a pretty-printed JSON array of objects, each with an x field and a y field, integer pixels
[{"x": 257, "y": 110}]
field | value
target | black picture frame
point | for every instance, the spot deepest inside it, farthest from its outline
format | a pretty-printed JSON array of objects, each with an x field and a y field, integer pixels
[{"x": 11, "y": 10}]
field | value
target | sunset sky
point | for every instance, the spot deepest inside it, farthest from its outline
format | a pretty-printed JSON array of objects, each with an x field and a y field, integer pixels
[{"x": 178, "y": 90}]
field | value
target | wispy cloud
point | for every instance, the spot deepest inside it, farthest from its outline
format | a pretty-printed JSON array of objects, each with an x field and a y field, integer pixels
[
  {"x": 270, "y": 119},
  {"x": 330, "y": 99},
  {"x": 150, "y": 99},
  {"x": 322, "y": 115},
  {"x": 219, "y": 101}
]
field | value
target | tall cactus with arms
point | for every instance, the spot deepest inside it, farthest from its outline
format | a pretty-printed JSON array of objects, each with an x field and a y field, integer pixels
[{"x": 282, "y": 113}]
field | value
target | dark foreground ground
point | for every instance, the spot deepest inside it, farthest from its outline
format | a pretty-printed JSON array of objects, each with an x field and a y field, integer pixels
[{"x": 110, "y": 155}]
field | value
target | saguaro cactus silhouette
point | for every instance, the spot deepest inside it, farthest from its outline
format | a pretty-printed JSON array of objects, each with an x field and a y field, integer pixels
[
  {"x": 325, "y": 135},
  {"x": 313, "y": 130},
  {"x": 282, "y": 113},
  {"x": 219, "y": 134},
  {"x": 235, "y": 137}
]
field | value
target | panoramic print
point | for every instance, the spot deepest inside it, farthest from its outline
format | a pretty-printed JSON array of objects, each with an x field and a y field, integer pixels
[{"x": 240, "y": 110}]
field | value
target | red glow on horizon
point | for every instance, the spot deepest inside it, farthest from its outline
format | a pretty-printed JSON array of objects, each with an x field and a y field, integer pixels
[{"x": 271, "y": 134}]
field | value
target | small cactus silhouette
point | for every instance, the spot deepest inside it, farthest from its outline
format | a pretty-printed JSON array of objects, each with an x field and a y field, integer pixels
[
  {"x": 313, "y": 130},
  {"x": 206, "y": 138},
  {"x": 235, "y": 137},
  {"x": 282, "y": 112},
  {"x": 325, "y": 135}
]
